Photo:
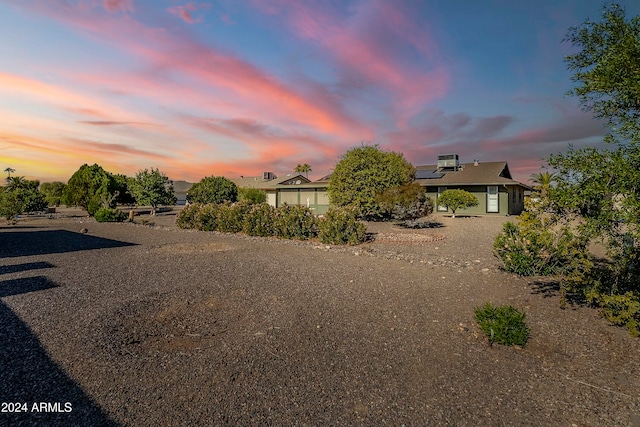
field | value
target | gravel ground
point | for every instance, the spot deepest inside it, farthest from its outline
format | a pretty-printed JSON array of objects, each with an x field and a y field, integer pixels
[{"x": 150, "y": 325}]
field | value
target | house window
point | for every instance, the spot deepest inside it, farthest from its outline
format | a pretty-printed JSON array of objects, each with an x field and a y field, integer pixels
[
  {"x": 440, "y": 191},
  {"x": 492, "y": 198}
]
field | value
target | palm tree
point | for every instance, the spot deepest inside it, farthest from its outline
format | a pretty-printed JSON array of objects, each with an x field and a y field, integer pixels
[
  {"x": 8, "y": 171},
  {"x": 16, "y": 182},
  {"x": 543, "y": 181},
  {"x": 305, "y": 169}
]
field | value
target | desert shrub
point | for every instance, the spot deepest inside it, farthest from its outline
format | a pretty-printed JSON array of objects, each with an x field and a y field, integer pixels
[
  {"x": 295, "y": 222},
  {"x": 187, "y": 216},
  {"x": 231, "y": 217},
  {"x": 258, "y": 221},
  {"x": 619, "y": 309},
  {"x": 406, "y": 202},
  {"x": 340, "y": 225},
  {"x": 109, "y": 215},
  {"x": 207, "y": 217},
  {"x": 530, "y": 249},
  {"x": 252, "y": 196},
  {"x": 503, "y": 325}
]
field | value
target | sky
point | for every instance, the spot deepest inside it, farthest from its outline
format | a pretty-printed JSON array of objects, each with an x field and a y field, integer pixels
[{"x": 239, "y": 87}]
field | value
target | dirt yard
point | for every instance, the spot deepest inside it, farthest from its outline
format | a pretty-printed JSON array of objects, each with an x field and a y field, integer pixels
[{"x": 135, "y": 325}]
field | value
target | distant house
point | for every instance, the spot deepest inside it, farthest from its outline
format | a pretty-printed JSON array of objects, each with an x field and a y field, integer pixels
[
  {"x": 180, "y": 189},
  {"x": 491, "y": 182},
  {"x": 291, "y": 190}
]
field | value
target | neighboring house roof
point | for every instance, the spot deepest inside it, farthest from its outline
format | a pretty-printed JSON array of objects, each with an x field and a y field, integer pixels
[
  {"x": 484, "y": 173},
  {"x": 325, "y": 178},
  {"x": 182, "y": 186},
  {"x": 268, "y": 184}
]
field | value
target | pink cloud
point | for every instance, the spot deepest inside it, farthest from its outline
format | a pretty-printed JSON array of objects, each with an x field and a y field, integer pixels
[
  {"x": 365, "y": 45},
  {"x": 223, "y": 74},
  {"x": 113, "y": 6},
  {"x": 185, "y": 12}
]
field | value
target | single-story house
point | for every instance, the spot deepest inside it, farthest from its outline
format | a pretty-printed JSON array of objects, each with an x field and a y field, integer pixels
[
  {"x": 491, "y": 182},
  {"x": 291, "y": 190}
]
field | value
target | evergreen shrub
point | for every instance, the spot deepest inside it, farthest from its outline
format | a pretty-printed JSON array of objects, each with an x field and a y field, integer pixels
[
  {"x": 109, "y": 215},
  {"x": 259, "y": 221},
  {"x": 295, "y": 222},
  {"x": 340, "y": 225}
]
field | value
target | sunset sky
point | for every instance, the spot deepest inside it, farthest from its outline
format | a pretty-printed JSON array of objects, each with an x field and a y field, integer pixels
[{"x": 240, "y": 87}]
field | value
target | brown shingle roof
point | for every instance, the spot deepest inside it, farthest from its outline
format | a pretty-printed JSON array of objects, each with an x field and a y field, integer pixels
[{"x": 485, "y": 173}]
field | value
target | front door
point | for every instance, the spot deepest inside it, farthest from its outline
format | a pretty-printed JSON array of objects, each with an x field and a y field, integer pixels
[{"x": 492, "y": 198}]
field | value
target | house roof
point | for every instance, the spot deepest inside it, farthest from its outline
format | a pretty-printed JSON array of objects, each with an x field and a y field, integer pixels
[
  {"x": 268, "y": 184},
  {"x": 181, "y": 186},
  {"x": 485, "y": 173}
]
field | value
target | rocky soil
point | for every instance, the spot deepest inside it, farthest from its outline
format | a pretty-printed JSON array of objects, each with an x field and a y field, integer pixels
[{"x": 132, "y": 325}]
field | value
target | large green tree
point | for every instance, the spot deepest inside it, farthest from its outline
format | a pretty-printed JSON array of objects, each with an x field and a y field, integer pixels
[
  {"x": 91, "y": 188},
  {"x": 152, "y": 188},
  {"x": 19, "y": 196},
  {"x": 600, "y": 186},
  {"x": 605, "y": 70},
  {"x": 213, "y": 189},
  {"x": 362, "y": 173},
  {"x": 596, "y": 196},
  {"x": 52, "y": 192}
]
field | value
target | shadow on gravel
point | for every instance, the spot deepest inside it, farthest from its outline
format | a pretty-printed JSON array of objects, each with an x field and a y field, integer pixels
[
  {"x": 551, "y": 289},
  {"x": 26, "y": 243},
  {"x": 25, "y": 285},
  {"x": 420, "y": 225},
  {"x": 30, "y": 377},
  {"x": 26, "y": 266}
]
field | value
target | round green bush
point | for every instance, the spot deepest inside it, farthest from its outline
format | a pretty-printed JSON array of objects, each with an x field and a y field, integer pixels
[{"x": 109, "y": 215}]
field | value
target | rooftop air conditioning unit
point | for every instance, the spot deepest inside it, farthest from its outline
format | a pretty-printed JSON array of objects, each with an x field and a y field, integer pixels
[
  {"x": 448, "y": 161},
  {"x": 268, "y": 176}
]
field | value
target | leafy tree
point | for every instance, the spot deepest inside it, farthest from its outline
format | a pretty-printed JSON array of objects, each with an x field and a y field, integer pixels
[
  {"x": 123, "y": 193},
  {"x": 252, "y": 196},
  {"x": 596, "y": 196},
  {"x": 605, "y": 68},
  {"x": 457, "y": 199},
  {"x": 599, "y": 187},
  {"x": 406, "y": 202},
  {"x": 213, "y": 189},
  {"x": 91, "y": 188},
  {"x": 52, "y": 192},
  {"x": 152, "y": 188},
  {"x": 9, "y": 171},
  {"x": 362, "y": 173},
  {"x": 20, "y": 196},
  {"x": 305, "y": 169}
]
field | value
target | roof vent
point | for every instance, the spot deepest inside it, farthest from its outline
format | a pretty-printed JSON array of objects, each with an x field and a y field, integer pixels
[{"x": 448, "y": 162}]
